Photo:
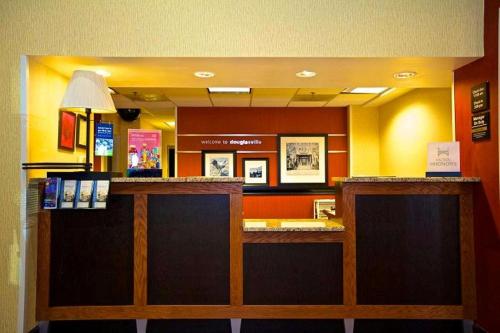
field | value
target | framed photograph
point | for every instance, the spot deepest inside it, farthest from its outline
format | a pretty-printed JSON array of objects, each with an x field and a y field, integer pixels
[
  {"x": 218, "y": 163},
  {"x": 81, "y": 131},
  {"x": 67, "y": 122},
  {"x": 303, "y": 159},
  {"x": 256, "y": 171}
]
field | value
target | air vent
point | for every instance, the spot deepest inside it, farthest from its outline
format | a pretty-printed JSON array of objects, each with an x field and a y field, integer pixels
[{"x": 312, "y": 97}]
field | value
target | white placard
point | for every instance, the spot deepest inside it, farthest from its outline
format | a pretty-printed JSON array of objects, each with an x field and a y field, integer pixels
[{"x": 443, "y": 157}]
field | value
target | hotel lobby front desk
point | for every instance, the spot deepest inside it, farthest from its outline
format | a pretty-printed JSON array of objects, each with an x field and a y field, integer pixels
[{"x": 180, "y": 248}]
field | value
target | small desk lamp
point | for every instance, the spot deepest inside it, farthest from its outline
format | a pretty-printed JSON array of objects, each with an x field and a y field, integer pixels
[{"x": 87, "y": 90}]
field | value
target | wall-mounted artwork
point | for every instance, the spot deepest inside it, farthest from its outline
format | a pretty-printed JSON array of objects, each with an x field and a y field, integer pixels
[
  {"x": 302, "y": 159},
  {"x": 67, "y": 122},
  {"x": 81, "y": 131},
  {"x": 218, "y": 163},
  {"x": 256, "y": 171}
]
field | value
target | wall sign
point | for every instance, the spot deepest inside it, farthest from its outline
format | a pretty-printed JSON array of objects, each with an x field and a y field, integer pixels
[
  {"x": 443, "y": 157},
  {"x": 480, "y": 126},
  {"x": 144, "y": 147},
  {"x": 480, "y": 97},
  {"x": 103, "y": 139}
]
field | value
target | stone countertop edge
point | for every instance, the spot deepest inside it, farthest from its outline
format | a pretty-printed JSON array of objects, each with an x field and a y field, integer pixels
[
  {"x": 411, "y": 180},
  {"x": 279, "y": 229},
  {"x": 178, "y": 180}
]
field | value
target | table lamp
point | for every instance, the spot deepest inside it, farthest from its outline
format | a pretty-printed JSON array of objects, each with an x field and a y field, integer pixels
[{"x": 87, "y": 90}]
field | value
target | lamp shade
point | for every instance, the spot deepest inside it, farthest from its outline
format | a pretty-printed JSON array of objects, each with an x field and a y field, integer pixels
[{"x": 88, "y": 90}]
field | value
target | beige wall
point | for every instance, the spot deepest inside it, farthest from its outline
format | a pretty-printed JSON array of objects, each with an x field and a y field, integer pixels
[
  {"x": 223, "y": 28},
  {"x": 407, "y": 124},
  {"x": 364, "y": 143}
]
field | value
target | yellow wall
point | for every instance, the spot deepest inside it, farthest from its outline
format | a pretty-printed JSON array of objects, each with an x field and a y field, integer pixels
[
  {"x": 223, "y": 28},
  {"x": 407, "y": 124},
  {"x": 45, "y": 92},
  {"x": 364, "y": 141}
]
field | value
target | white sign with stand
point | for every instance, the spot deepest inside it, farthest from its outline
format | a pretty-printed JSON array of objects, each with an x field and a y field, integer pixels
[{"x": 443, "y": 157}]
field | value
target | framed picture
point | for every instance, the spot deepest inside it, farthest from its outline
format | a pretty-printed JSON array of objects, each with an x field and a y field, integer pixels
[
  {"x": 218, "y": 163},
  {"x": 256, "y": 171},
  {"x": 81, "y": 131},
  {"x": 303, "y": 159},
  {"x": 67, "y": 122}
]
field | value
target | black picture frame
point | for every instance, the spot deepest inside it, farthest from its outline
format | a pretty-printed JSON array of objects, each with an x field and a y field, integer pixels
[
  {"x": 243, "y": 168},
  {"x": 81, "y": 121},
  {"x": 206, "y": 154},
  {"x": 309, "y": 184}
]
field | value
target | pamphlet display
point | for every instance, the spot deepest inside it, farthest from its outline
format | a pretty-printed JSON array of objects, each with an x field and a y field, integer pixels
[
  {"x": 103, "y": 139},
  {"x": 75, "y": 194}
]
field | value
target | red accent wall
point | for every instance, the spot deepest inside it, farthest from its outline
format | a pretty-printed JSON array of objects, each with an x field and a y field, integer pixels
[
  {"x": 481, "y": 159},
  {"x": 247, "y": 120}
]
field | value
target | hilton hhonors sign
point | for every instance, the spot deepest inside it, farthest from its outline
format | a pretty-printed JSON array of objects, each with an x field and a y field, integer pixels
[{"x": 443, "y": 157}]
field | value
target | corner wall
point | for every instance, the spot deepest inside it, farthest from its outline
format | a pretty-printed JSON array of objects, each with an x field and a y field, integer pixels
[
  {"x": 407, "y": 124},
  {"x": 46, "y": 90},
  {"x": 364, "y": 141}
]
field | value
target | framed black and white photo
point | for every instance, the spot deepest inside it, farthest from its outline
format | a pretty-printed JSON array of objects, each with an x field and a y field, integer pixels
[
  {"x": 302, "y": 159},
  {"x": 256, "y": 171},
  {"x": 218, "y": 163}
]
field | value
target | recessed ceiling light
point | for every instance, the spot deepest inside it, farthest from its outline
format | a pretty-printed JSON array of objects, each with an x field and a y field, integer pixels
[
  {"x": 236, "y": 90},
  {"x": 404, "y": 75},
  {"x": 103, "y": 72},
  {"x": 305, "y": 73},
  {"x": 204, "y": 74},
  {"x": 365, "y": 90}
]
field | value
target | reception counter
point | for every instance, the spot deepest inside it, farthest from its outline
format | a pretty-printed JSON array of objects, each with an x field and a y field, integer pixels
[{"x": 180, "y": 248}]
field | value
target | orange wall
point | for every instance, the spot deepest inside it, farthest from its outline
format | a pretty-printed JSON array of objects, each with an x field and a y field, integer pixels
[
  {"x": 481, "y": 159},
  {"x": 263, "y": 121}
]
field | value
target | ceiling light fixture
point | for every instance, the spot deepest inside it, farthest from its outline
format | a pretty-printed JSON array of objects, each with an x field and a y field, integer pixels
[
  {"x": 365, "y": 90},
  {"x": 204, "y": 74},
  {"x": 305, "y": 73},
  {"x": 404, "y": 75},
  {"x": 234, "y": 90}
]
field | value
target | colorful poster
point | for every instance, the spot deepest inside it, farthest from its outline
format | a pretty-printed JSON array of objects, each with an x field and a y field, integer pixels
[
  {"x": 103, "y": 139},
  {"x": 144, "y": 147}
]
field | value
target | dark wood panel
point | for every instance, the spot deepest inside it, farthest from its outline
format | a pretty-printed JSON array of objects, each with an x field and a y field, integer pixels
[
  {"x": 408, "y": 249},
  {"x": 92, "y": 255},
  {"x": 140, "y": 249},
  {"x": 188, "y": 249},
  {"x": 292, "y": 273},
  {"x": 291, "y": 326},
  {"x": 189, "y": 326},
  {"x": 407, "y": 326}
]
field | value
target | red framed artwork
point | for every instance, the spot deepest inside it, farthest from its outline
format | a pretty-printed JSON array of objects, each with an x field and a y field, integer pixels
[{"x": 67, "y": 122}]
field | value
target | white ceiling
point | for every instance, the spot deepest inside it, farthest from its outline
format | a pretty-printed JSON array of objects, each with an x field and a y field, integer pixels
[{"x": 157, "y": 85}]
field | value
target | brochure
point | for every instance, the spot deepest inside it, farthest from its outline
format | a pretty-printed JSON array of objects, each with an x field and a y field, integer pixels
[
  {"x": 101, "y": 191},
  {"x": 84, "y": 193},
  {"x": 51, "y": 194},
  {"x": 68, "y": 194}
]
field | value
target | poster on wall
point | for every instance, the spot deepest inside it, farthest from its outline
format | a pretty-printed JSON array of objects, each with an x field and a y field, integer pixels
[
  {"x": 144, "y": 149},
  {"x": 103, "y": 139},
  {"x": 67, "y": 123},
  {"x": 302, "y": 159}
]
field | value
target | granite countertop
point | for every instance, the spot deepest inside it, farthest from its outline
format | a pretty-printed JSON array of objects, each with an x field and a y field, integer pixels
[
  {"x": 274, "y": 225},
  {"x": 412, "y": 180},
  {"x": 178, "y": 180}
]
